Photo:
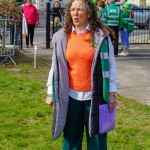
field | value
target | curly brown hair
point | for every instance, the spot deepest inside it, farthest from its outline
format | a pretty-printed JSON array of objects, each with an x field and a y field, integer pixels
[{"x": 94, "y": 19}]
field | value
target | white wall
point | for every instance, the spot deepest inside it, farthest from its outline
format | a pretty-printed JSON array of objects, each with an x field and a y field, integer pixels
[
  {"x": 136, "y": 2},
  {"x": 41, "y": 4},
  {"x": 148, "y": 2},
  {"x": 140, "y": 2}
]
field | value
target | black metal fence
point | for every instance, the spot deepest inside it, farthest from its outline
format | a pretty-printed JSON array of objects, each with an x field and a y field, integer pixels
[{"x": 141, "y": 33}]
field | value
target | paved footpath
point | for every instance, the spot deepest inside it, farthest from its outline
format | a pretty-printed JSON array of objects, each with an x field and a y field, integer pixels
[
  {"x": 133, "y": 71},
  {"x": 134, "y": 75}
]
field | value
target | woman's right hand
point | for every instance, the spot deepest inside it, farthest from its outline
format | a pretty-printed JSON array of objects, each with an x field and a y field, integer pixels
[{"x": 49, "y": 101}]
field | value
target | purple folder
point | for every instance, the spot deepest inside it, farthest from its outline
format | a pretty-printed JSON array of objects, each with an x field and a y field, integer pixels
[{"x": 106, "y": 118}]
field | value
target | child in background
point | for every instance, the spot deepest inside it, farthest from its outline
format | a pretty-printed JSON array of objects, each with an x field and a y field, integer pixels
[{"x": 57, "y": 24}]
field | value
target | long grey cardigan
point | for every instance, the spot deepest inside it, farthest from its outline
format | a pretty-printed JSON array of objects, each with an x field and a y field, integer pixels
[{"x": 61, "y": 80}]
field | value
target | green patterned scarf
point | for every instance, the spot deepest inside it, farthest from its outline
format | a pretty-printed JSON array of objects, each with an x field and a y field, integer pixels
[{"x": 104, "y": 52}]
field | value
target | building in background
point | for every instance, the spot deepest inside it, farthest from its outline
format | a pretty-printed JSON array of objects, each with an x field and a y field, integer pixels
[
  {"x": 41, "y": 4},
  {"x": 140, "y": 2}
]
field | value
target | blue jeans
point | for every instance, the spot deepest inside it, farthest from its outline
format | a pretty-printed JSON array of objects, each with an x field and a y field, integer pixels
[{"x": 124, "y": 34}]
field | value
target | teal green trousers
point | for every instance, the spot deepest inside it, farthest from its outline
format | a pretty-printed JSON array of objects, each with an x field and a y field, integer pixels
[{"x": 77, "y": 119}]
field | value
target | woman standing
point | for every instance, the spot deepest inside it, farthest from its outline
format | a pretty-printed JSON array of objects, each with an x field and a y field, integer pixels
[
  {"x": 57, "y": 24},
  {"x": 57, "y": 10},
  {"x": 32, "y": 18},
  {"x": 126, "y": 27},
  {"x": 82, "y": 77}
]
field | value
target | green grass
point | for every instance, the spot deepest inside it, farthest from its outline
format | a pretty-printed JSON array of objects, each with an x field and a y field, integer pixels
[{"x": 25, "y": 119}]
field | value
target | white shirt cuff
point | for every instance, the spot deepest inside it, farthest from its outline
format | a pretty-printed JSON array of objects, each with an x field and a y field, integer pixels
[
  {"x": 113, "y": 89},
  {"x": 49, "y": 91}
]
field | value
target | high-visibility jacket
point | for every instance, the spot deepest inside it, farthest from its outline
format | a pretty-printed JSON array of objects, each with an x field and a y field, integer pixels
[
  {"x": 126, "y": 21},
  {"x": 103, "y": 15},
  {"x": 113, "y": 14}
]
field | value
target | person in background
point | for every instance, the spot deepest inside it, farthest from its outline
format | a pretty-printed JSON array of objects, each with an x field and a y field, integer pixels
[
  {"x": 32, "y": 18},
  {"x": 57, "y": 24},
  {"x": 113, "y": 15},
  {"x": 102, "y": 11},
  {"x": 83, "y": 76},
  {"x": 57, "y": 10},
  {"x": 126, "y": 27}
]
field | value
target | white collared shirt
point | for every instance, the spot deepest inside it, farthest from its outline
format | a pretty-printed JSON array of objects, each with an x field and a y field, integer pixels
[
  {"x": 81, "y": 32},
  {"x": 82, "y": 96}
]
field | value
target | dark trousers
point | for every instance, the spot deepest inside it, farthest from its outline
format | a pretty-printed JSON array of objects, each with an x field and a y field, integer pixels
[
  {"x": 116, "y": 39},
  {"x": 30, "y": 34},
  {"x": 77, "y": 119}
]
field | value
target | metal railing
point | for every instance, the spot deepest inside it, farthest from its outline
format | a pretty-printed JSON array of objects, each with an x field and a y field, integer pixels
[
  {"x": 9, "y": 39},
  {"x": 141, "y": 33}
]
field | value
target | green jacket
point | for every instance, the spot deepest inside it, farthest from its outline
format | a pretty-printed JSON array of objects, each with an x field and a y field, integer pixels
[
  {"x": 113, "y": 12},
  {"x": 56, "y": 28},
  {"x": 126, "y": 21},
  {"x": 103, "y": 14}
]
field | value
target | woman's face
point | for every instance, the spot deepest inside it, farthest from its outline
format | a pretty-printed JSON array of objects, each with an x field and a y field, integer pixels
[
  {"x": 56, "y": 20},
  {"x": 79, "y": 14},
  {"x": 56, "y": 5},
  {"x": 29, "y": 2}
]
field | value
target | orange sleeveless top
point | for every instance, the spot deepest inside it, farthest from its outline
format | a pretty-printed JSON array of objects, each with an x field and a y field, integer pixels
[{"x": 79, "y": 54}]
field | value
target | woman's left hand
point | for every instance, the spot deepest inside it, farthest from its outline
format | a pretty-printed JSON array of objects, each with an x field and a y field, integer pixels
[{"x": 113, "y": 101}]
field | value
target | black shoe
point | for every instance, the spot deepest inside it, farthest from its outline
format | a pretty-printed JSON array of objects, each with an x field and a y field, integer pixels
[
  {"x": 27, "y": 46},
  {"x": 31, "y": 44}
]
